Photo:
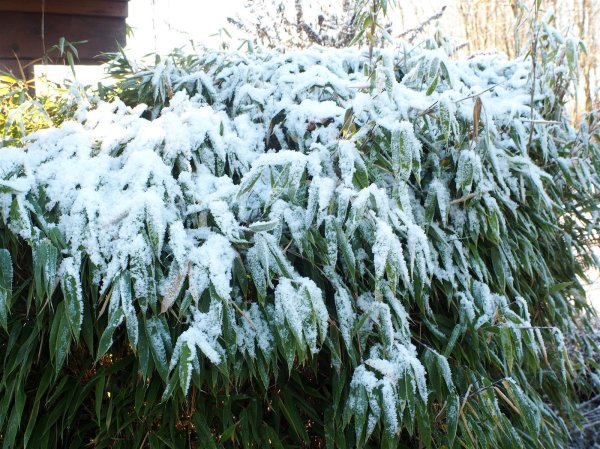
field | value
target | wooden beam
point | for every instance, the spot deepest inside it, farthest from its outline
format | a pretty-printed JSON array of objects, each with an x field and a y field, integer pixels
[
  {"x": 21, "y": 34},
  {"x": 97, "y": 8}
]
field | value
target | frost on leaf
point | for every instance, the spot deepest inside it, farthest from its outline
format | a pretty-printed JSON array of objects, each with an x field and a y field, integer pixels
[
  {"x": 406, "y": 151},
  {"x": 299, "y": 306},
  {"x": 383, "y": 388},
  {"x": 469, "y": 170},
  {"x": 388, "y": 256},
  {"x": 71, "y": 287},
  {"x": 253, "y": 333},
  {"x": 347, "y": 158},
  {"x": 202, "y": 334},
  {"x": 6, "y": 280},
  {"x": 345, "y": 314}
]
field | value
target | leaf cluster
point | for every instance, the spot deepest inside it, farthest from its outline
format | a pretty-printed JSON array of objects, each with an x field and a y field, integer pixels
[{"x": 395, "y": 266}]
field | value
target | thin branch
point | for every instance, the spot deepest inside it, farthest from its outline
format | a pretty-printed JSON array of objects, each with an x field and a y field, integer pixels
[
  {"x": 244, "y": 314},
  {"x": 421, "y": 27},
  {"x": 541, "y": 122},
  {"x": 313, "y": 36},
  {"x": 465, "y": 198},
  {"x": 479, "y": 93},
  {"x": 534, "y": 43}
]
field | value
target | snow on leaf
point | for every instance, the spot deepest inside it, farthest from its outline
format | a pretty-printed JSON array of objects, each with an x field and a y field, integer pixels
[
  {"x": 405, "y": 149},
  {"x": 71, "y": 287},
  {"x": 468, "y": 170},
  {"x": 6, "y": 280},
  {"x": 203, "y": 334},
  {"x": 299, "y": 304},
  {"x": 281, "y": 193},
  {"x": 345, "y": 314}
]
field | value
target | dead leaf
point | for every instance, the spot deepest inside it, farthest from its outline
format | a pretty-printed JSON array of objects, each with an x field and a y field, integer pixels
[
  {"x": 173, "y": 290},
  {"x": 476, "y": 116}
]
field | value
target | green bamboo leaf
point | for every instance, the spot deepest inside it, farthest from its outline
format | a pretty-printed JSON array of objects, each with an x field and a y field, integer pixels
[
  {"x": 185, "y": 368},
  {"x": 452, "y": 415},
  {"x": 106, "y": 340},
  {"x": 430, "y": 206},
  {"x": 6, "y": 280},
  {"x": 143, "y": 354},
  {"x": 41, "y": 390},
  {"x": 128, "y": 308},
  {"x": 361, "y": 174},
  {"x": 229, "y": 433},
  {"x": 263, "y": 226},
  {"x": 73, "y": 302},
  {"x": 272, "y": 436},
  {"x": 456, "y": 332},
  {"x": 99, "y": 397},
  {"x": 203, "y": 431},
  {"x": 424, "y": 425},
  {"x": 160, "y": 342},
  {"x": 433, "y": 85},
  {"x": 15, "y": 417},
  {"x": 346, "y": 250},
  {"x": 60, "y": 336},
  {"x": 499, "y": 268},
  {"x": 329, "y": 429},
  {"x": 249, "y": 181}
]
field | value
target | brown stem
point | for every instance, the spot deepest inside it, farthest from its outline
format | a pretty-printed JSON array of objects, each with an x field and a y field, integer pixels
[{"x": 534, "y": 43}]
